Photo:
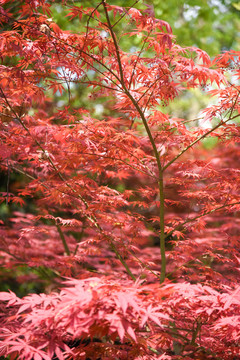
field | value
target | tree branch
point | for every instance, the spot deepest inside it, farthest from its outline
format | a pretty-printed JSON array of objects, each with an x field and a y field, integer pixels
[
  {"x": 156, "y": 154},
  {"x": 178, "y": 227},
  {"x": 198, "y": 139}
]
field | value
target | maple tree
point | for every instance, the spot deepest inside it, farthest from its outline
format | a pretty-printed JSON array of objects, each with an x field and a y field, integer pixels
[{"x": 94, "y": 194}]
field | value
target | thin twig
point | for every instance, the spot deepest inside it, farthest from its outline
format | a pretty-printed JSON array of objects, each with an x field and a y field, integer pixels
[
  {"x": 197, "y": 140},
  {"x": 63, "y": 240},
  {"x": 200, "y": 216},
  {"x": 126, "y": 12},
  {"x": 8, "y": 180},
  {"x": 137, "y": 60}
]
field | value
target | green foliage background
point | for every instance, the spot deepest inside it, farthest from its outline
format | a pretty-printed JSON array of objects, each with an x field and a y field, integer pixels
[{"x": 212, "y": 25}]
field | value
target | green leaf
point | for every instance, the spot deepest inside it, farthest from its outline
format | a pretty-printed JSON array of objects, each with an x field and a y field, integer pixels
[{"x": 236, "y": 5}]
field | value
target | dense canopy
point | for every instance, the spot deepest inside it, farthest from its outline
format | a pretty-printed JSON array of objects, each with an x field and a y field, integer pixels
[{"x": 119, "y": 231}]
